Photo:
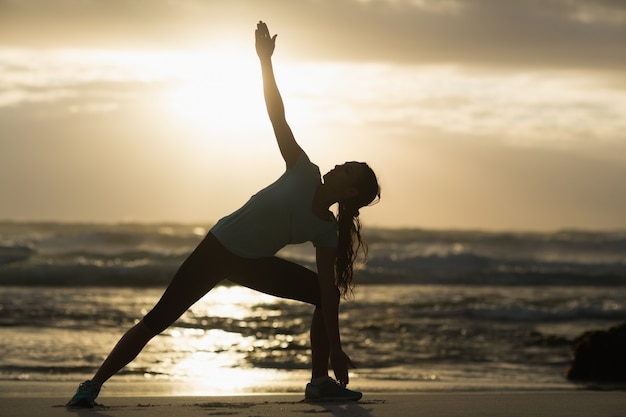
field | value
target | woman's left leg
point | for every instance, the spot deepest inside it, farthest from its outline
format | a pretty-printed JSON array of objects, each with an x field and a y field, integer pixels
[
  {"x": 285, "y": 279},
  {"x": 320, "y": 348},
  {"x": 277, "y": 277}
]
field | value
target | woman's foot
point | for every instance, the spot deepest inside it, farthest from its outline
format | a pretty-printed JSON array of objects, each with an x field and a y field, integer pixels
[
  {"x": 327, "y": 389},
  {"x": 85, "y": 395}
]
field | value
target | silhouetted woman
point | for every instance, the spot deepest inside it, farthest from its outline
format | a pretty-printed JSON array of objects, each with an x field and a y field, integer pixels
[{"x": 241, "y": 248}]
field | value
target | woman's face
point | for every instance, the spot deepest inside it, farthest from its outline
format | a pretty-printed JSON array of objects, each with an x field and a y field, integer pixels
[{"x": 344, "y": 177}]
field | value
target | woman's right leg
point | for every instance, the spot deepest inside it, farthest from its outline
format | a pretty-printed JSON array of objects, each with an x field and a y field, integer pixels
[{"x": 200, "y": 272}]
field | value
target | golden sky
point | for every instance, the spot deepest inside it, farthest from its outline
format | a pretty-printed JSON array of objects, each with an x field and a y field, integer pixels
[{"x": 482, "y": 114}]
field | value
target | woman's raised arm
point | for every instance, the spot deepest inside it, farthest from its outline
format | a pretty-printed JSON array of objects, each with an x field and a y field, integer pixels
[{"x": 289, "y": 148}]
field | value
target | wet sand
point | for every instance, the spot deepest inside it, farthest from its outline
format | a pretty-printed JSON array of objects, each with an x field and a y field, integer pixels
[{"x": 49, "y": 402}]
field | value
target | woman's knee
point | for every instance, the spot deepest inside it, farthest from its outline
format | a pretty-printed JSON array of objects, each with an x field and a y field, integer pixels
[
  {"x": 154, "y": 324},
  {"x": 145, "y": 329}
]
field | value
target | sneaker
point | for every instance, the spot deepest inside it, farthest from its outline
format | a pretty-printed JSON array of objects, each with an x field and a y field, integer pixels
[
  {"x": 330, "y": 390},
  {"x": 85, "y": 395}
]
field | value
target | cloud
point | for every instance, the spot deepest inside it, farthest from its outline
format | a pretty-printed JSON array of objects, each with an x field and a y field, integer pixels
[
  {"x": 521, "y": 109},
  {"x": 527, "y": 33},
  {"x": 601, "y": 11}
]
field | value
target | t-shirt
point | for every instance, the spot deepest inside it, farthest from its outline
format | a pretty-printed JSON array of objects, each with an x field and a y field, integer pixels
[{"x": 278, "y": 215}]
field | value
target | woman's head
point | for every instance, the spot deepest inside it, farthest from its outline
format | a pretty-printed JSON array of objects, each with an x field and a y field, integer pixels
[
  {"x": 357, "y": 184},
  {"x": 367, "y": 188},
  {"x": 354, "y": 183}
]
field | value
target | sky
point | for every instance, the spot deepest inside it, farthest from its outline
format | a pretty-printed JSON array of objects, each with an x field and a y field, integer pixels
[{"x": 475, "y": 114}]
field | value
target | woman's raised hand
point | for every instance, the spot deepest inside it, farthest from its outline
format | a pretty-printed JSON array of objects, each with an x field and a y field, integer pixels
[{"x": 264, "y": 42}]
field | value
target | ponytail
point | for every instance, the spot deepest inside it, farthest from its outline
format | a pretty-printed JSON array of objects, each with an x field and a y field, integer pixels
[{"x": 350, "y": 241}]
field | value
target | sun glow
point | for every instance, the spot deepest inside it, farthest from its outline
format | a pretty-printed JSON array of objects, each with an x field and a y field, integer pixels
[
  {"x": 209, "y": 92},
  {"x": 218, "y": 90}
]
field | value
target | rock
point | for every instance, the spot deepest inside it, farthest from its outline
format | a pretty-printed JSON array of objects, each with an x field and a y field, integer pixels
[{"x": 600, "y": 356}]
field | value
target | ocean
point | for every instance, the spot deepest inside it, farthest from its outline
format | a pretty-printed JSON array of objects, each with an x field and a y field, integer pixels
[{"x": 433, "y": 310}]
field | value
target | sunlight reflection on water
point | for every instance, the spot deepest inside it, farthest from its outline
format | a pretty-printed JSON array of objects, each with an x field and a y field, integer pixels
[
  {"x": 231, "y": 302},
  {"x": 402, "y": 337},
  {"x": 215, "y": 359}
]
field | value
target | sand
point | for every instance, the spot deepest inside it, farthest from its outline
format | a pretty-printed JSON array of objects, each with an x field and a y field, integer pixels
[{"x": 570, "y": 403}]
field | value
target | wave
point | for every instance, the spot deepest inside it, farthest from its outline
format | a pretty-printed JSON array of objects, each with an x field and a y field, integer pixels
[
  {"x": 149, "y": 254},
  {"x": 144, "y": 269},
  {"x": 10, "y": 254},
  {"x": 532, "y": 314},
  {"x": 468, "y": 268}
]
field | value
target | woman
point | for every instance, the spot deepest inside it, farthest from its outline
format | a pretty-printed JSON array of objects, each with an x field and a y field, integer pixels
[{"x": 241, "y": 247}]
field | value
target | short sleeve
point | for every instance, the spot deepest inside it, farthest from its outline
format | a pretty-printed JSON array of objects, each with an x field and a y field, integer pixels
[{"x": 328, "y": 236}]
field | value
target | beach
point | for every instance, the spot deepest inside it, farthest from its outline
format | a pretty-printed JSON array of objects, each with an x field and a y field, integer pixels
[
  {"x": 18, "y": 400},
  {"x": 442, "y": 323},
  {"x": 489, "y": 271}
]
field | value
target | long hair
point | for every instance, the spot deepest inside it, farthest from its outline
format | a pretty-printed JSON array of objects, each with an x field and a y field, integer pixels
[{"x": 350, "y": 241}]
